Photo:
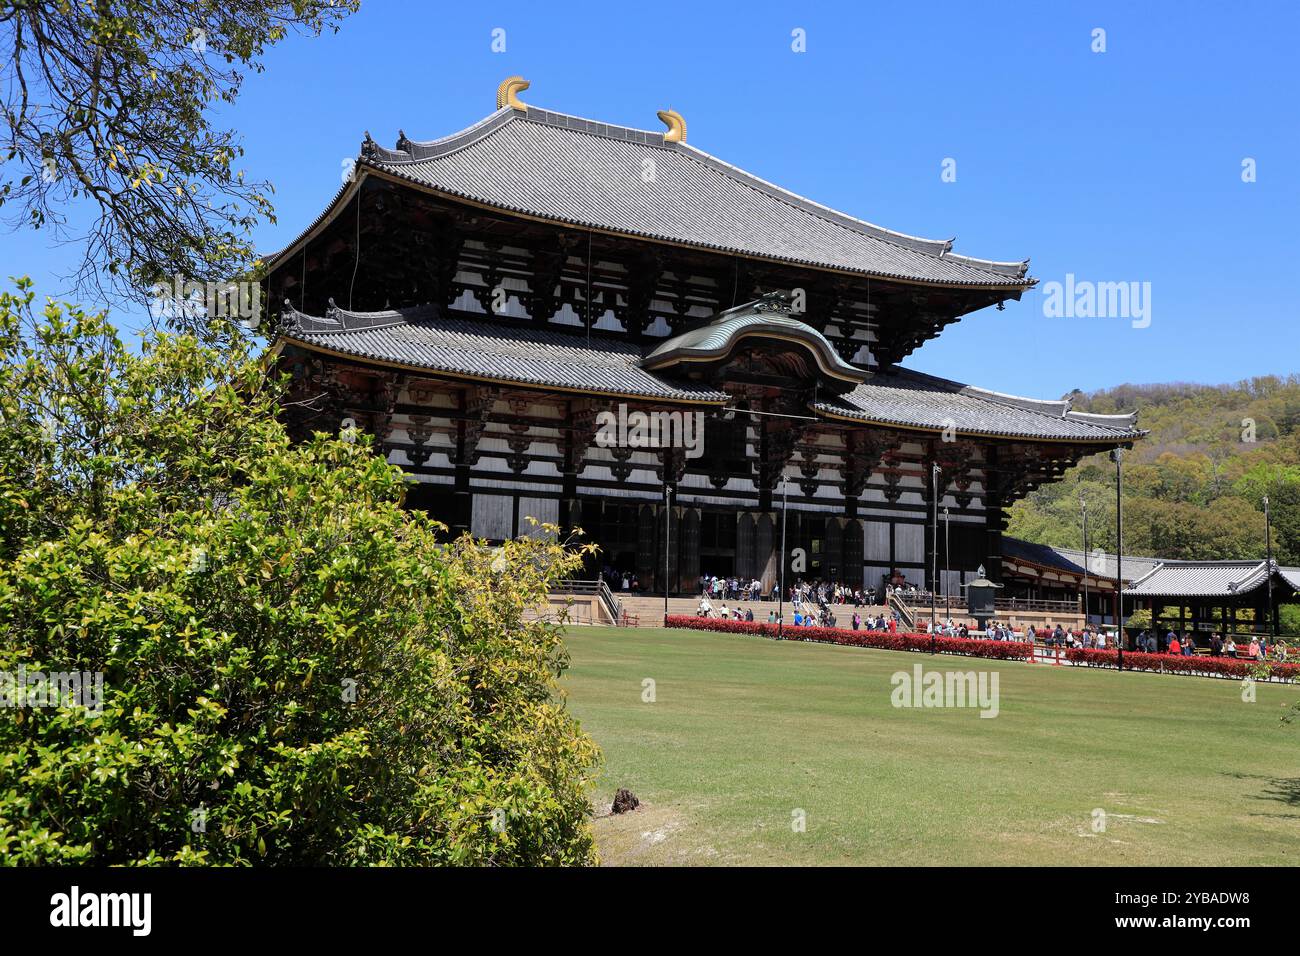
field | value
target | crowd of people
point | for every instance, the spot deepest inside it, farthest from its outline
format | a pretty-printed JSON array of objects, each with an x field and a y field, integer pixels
[
  {"x": 1088, "y": 639},
  {"x": 1179, "y": 644},
  {"x": 993, "y": 630},
  {"x": 812, "y": 603},
  {"x": 625, "y": 581},
  {"x": 733, "y": 588},
  {"x": 1254, "y": 647},
  {"x": 802, "y": 592},
  {"x": 736, "y": 589},
  {"x": 806, "y": 613}
]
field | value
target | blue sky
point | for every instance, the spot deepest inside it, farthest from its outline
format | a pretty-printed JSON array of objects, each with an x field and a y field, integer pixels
[{"x": 1122, "y": 166}]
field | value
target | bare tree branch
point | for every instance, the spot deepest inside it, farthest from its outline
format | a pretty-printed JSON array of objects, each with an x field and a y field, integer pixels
[{"x": 105, "y": 107}]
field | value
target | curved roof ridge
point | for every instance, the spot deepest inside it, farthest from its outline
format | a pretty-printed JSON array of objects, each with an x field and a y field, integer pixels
[
  {"x": 901, "y": 396},
  {"x": 1110, "y": 554},
  {"x": 1212, "y": 562},
  {"x": 583, "y": 124},
  {"x": 1136, "y": 581},
  {"x": 1100, "y": 416},
  {"x": 1011, "y": 268},
  {"x": 337, "y": 319},
  {"x": 1122, "y": 420},
  {"x": 1055, "y": 408},
  {"x": 1058, "y": 408},
  {"x": 413, "y": 151}
]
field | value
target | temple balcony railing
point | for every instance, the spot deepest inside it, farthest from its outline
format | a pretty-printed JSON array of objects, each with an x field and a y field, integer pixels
[
  {"x": 1034, "y": 604},
  {"x": 918, "y": 603}
]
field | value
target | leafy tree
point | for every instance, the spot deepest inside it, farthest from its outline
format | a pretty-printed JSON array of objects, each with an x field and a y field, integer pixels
[
  {"x": 106, "y": 104},
  {"x": 1193, "y": 488},
  {"x": 294, "y": 670},
  {"x": 1281, "y": 484},
  {"x": 1141, "y": 618},
  {"x": 1288, "y": 620}
]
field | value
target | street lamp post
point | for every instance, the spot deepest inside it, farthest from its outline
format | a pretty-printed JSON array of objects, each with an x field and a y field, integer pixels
[
  {"x": 934, "y": 544},
  {"x": 947, "y": 570},
  {"x": 668, "y": 515},
  {"x": 1083, "y": 506},
  {"x": 780, "y": 613},
  {"x": 1117, "y": 454},
  {"x": 1268, "y": 549}
]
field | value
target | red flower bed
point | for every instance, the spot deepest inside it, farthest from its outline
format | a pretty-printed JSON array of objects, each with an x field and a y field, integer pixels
[
  {"x": 974, "y": 647},
  {"x": 970, "y": 647},
  {"x": 1177, "y": 664}
]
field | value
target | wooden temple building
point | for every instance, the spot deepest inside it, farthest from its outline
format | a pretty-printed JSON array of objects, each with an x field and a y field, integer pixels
[{"x": 481, "y": 303}]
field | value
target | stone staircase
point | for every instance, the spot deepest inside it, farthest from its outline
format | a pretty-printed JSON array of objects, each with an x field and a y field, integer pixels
[{"x": 647, "y": 610}]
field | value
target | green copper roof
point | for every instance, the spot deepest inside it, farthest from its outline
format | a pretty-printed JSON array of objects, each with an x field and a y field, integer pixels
[{"x": 768, "y": 317}]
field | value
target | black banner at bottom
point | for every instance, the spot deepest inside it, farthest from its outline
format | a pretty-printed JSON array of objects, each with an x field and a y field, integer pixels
[{"x": 219, "y": 907}]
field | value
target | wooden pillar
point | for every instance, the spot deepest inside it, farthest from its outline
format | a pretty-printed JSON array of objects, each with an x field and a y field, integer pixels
[
  {"x": 690, "y": 551},
  {"x": 767, "y": 541},
  {"x": 674, "y": 545},
  {"x": 646, "y": 566},
  {"x": 745, "y": 562},
  {"x": 853, "y": 551},
  {"x": 993, "y": 519},
  {"x": 833, "y": 550}
]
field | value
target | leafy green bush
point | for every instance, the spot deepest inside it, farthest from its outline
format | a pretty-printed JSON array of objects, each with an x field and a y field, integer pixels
[
  {"x": 1141, "y": 618},
  {"x": 294, "y": 670}
]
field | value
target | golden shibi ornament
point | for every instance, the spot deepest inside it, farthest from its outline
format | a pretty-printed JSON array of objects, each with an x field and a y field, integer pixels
[{"x": 509, "y": 90}]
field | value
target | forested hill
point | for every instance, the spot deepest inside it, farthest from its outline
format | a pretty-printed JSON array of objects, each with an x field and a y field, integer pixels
[{"x": 1193, "y": 488}]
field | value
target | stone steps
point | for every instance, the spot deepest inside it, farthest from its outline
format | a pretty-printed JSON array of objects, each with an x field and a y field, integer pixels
[{"x": 649, "y": 610}]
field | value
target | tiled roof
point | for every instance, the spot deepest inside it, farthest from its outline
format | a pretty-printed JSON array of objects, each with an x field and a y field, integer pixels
[
  {"x": 545, "y": 357},
  {"x": 1102, "y": 564},
  {"x": 581, "y": 172},
  {"x": 902, "y": 397},
  {"x": 1043, "y": 555},
  {"x": 486, "y": 350},
  {"x": 1071, "y": 560},
  {"x": 1209, "y": 579},
  {"x": 1156, "y": 577}
]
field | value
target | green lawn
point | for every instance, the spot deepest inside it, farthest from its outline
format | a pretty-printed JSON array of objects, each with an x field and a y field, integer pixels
[{"x": 745, "y": 731}]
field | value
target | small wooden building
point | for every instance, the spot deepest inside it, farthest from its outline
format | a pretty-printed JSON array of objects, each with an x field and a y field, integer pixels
[{"x": 1205, "y": 596}]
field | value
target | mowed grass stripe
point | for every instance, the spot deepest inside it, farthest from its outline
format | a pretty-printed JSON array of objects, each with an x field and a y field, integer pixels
[{"x": 744, "y": 731}]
